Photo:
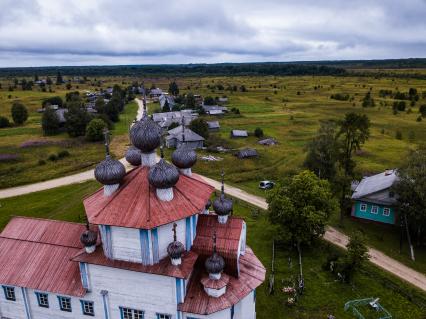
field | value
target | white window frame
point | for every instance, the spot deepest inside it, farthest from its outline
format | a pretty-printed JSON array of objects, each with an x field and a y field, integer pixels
[
  {"x": 363, "y": 207},
  {"x": 42, "y": 299},
  {"x": 88, "y": 307},
  {"x": 65, "y": 304},
  {"x": 375, "y": 209},
  {"x": 163, "y": 316},
  {"x": 386, "y": 209},
  {"x": 129, "y": 313}
]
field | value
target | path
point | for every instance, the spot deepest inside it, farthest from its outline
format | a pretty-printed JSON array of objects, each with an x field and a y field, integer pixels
[{"x": 332, "y": 235}]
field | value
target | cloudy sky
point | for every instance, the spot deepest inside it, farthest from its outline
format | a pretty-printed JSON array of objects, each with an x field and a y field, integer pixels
[{"x": 93, "y": 32}]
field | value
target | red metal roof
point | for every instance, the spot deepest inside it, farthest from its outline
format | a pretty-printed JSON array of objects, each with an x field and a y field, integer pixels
[
  {"x": 252, "y": 274},
  {"x": 227, "y": 243},
  {"x": 37, "y": 253},
  {"x": 164, "y": 267},
  {"x": 135, "y": 203}
]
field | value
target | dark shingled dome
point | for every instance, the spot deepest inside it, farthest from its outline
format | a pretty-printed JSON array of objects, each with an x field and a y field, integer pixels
[
  {"x": 109, "y": 171},
  {"x": 89, "y": 237},
  {"x": 163, "y": 175},
  {"x": 133, "y": 156},
  {"x": 184, "y": 157},
  {"x": 146, "y": 135},
  {"x": 215, "y": 264},
  {"x": 222, "y": 205},
  {"x": 175, "y": 249}
]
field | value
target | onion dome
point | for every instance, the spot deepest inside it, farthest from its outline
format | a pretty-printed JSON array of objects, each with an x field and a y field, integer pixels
[
  {"x": 184, "y": 157},
  {"x": 215, "y": 264},
  {"x": 133, "y": 156},
  {"x": 145, "y": 134},
  {"x": 109, "y": 171},
  {"x": 89, "y": 237},
  {"x": 175, "y": 249},
  {"x": 163, "y": 175},
  {"x": 222, "y": 205}
]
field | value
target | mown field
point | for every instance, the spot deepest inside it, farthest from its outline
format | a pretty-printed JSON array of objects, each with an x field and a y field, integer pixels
[
  {"x": 323, "y": 294},
  {"x": 20, "y": 140}
]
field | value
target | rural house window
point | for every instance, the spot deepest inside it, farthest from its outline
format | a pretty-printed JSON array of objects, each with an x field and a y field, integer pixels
[
  {"x": 374, "y": 209},
  {"x": 65, "y": 304},
  {"x": 163, "y": 316},
  {"x": 386, "y": 211},
  {"x": 363, "y": 207},
  {"x": 43, "y": 299},
  {"x": 87, "y": 307},
  {"x": 127, "y": 313},
  {"x": 9, "y": 293}
]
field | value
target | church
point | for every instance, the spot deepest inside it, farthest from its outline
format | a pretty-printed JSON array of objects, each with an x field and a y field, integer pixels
[{"x": 156, "y": 246}]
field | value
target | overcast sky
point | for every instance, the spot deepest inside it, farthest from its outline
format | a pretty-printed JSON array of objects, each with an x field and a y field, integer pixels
[{"x": 97, "y": 32}]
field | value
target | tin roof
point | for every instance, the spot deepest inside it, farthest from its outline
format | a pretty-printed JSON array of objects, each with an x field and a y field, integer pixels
[
  {"x": 252, "y": 274},
  {"x": 164, "y": 267},
  {"x": 190, "y": 135},
  {"x": 239, "y": 133},
  {"x": 37, "y": 253},
  {"x": 227, "y": 242},
  {"x": 135, "y": 203},
  {"x": 376, "y": 183}
]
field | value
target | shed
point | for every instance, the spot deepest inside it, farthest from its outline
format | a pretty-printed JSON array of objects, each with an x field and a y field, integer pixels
[
  {"x": 268, "y": 141},
  {"x": 247, "y": 153},
  {"x": 192, "y": 139},
  {"x": 213, "y": 125},
  {"x": 239, "y": 133}
]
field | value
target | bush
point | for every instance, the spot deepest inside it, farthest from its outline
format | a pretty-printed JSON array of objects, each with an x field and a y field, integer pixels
[
  {"x": 95, "y": 129},
  {"x": 77, "y": 120},
  {"x": 53, "y": 157},
  {"x": 398, "y": 135},
  {"x": 173, "y": 125},
  {"x": 258, "y": 132},
  {"x": 63, "y": 154},
  {"x": 4, "y": 122},
  {"x": 419, "y": 119},
  {"x": 422, "y": 110},
  {"x": 19, "y": 113},
  {"x": 50, "y": 122},
  {"x": 41, "y": 162},
  {"x": 54, "y": 100},
  {"x": 200, "y": 127}
]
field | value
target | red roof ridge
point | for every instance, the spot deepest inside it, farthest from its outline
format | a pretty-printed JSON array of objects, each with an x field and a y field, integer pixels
[
  {"x": 45, "y": 219},
  {"x": 37, "y": 242}
]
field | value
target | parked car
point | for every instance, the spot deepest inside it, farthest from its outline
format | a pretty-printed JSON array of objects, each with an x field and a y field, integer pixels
[{"x": 266, "y": 184}]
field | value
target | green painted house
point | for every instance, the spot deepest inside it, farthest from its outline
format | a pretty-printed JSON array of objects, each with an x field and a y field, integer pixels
[{"x": 374, "y": 200}]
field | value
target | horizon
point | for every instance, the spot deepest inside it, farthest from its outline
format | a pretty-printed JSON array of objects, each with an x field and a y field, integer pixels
[{"x": 36, "y": 33}]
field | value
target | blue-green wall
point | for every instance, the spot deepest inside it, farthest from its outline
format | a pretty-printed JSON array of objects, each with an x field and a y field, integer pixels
[{"x": 379, "y": 217}]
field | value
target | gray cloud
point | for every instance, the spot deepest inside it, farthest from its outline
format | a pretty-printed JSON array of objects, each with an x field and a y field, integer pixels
[{"x": 78, "y": 32}]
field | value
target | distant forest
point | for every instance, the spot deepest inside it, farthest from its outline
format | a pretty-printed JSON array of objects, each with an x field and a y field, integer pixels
[{"x": 335, "y": 68}]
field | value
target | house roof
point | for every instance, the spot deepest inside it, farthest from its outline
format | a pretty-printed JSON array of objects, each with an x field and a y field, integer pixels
[
  {"x": 228, "y": 238},
  {"x": 268, "y": 141},
  {"x": 213, "y": 124},
  {"x": 37, "y": 253},
  {"x": 239, "y": 133},
  {"x": 190, "y": 136},
  {"x": 136, "y": 205},
  {"x": 252, "y": 274},
  {"x": 376, "y": 183},
  {"x": 164, "y": 267},
  {"x": 248, "y": 152},
  {"x": 209, "y": 108}
]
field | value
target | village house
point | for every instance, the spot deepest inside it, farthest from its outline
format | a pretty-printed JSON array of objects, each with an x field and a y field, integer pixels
[
  {"x": 152, "y": 248},
  {"x": 214, "y": 126},
  {"x": 165, "y": 119},
  {"x": 154, "y": 94},
  {"x": 166, "y": 101},
  {"x": 268, "y": 142},
  {"x": 184, "y": 136},
  {"x": 214, "y": 109},
  {"x": 247, "y": 153},
  {"x": 239, "y": 133},
  {"x": 374, "y": 199}
]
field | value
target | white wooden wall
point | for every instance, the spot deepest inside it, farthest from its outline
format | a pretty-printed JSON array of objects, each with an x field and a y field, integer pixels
[
  {"x": 245, "y": 309},
  {"x": 12, "y": 309},
  {"x": 165, "y": 236},
  {"x": 126, "y": 244}
]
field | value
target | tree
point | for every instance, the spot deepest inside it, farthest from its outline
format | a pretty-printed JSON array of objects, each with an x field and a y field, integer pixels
[
  {"x": 50, "y": 122},
  {"x": 323, "y": 152},
  {"x": 300, "y": 208},
  {"x": 208, "y": 100},
  {"x": 190, "y": 101},
  {"x": 59, "y": 79},
  {"x": 357, "y": 252},
  {"x": 354, "y": 131},
  {"x": 368, "y": 101},
  {"x": 411, "y": 190},
  {"x": 4, "y": 122},
  {"x": 258, "y": 132},
  {"x": 19, "y": 113},
  {"x": 95, "y": 130},
  {"x": 422, "y": 110},
  {"x": 173, "y": 88},
  {"x": 54, "y": 100},
  {"x": 200, "y": 127},
  {"x": 100, "y": 104},
  {"x": 173, "y": 125},
  {"x": 112, "y": 110},
  {"x": 77, "y": 119}
]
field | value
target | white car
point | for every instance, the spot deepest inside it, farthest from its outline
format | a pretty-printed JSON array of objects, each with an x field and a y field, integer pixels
[{"x": 266, "y": 184}]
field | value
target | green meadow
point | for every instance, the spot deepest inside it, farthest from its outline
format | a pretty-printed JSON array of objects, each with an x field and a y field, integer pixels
[{"x": 323, "y": 294}]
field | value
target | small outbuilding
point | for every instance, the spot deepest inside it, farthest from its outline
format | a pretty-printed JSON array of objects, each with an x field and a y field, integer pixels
[
  {"x": 268, "y": 142},
  {"x": 213, "y": 126},
  {"x": 239, "y": 133},
  {"x": 247, "y": 153}
]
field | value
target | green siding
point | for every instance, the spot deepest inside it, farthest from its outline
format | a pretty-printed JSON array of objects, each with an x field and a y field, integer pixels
[{"x": 367, "y": 214}]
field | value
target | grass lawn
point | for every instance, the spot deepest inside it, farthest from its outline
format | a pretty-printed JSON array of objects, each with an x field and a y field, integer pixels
[{"x": 323, "y": 294}]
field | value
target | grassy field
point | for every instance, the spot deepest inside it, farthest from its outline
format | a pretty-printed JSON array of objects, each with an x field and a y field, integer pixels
[
  {"x": 28, "y": 168},
  {"x": 323, "y": 295}
]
